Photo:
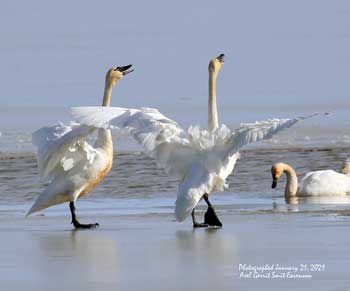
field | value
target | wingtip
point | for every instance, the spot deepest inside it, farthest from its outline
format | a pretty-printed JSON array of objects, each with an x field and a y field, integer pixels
[
  {"x": 29, "y": 212},
  {"x": 323, "y": 113},
  {"x": 33, "y": 209},
  {"x": 315, "y": 114}
]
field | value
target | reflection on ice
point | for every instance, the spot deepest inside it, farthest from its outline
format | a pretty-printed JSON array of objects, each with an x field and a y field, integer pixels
[
  {"x": 319, "y": 200},
  {"x": 89, "y": 257},
  {"x": 208, "y": 248}
]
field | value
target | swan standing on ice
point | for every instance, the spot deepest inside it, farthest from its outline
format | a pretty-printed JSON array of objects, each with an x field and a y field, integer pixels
[
  {"x": 69, "y": 163},
  {"x": 202, "y": 158},
  {"x": 317, "y": 183}
]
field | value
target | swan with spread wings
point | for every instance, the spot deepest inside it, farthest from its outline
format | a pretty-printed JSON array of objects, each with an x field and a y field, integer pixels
[
  {"x": 201, "y": 158},
  {"x": 70, "y": 165}
]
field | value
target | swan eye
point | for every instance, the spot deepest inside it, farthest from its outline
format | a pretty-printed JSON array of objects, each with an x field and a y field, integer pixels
[{"x": 116, "y": 69}]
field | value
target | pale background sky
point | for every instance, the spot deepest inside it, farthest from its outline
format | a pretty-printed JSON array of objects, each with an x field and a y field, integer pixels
[{"x": 279, "y": 53}]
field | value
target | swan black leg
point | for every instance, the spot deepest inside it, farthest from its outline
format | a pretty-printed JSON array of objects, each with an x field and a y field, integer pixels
[
  {"x": 76, "y": 222},
  {"x": 210, "y": 216},
  {"x": 195, "y": 223}
]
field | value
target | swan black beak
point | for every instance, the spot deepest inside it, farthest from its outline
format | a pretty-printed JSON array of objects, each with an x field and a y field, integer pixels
[
  {"x": 221, "y": 58},
  {"x": 274, "y": 183},
  {"x": 125, "y": 70}
]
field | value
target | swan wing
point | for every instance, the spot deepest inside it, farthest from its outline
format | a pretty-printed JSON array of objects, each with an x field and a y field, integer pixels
[
  {"x": 67, "y": 161},
  {"x": 101, "y": 116},
  {"x": 60, "y": 147},
  {"x": 161, "y": 137},
  {"x": 195, "y": 184},
  {"x": 163, "y": 140},
  {"x": 253, "y": 132}
]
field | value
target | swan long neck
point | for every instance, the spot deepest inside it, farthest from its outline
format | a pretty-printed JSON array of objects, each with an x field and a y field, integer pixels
[
  {"x": 104, "y": 136},
  {"x": 292, "y": 182},
  {"x": 108, "y": 93},
  {"x": 213, "y": 120}
]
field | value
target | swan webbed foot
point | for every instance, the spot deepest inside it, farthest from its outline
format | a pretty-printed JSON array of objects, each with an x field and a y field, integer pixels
[
  {"x": 78, "y": 225},
  {"x": 76, "y": 222},
  {"x": 211, "y": 218},
  {"x": 197, "y": 224}
]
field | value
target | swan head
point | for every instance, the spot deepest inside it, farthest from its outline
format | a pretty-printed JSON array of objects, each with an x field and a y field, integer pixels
[
  {"x": 116, "y": 73},
  {"x": 216, "y": 63},
  {"x": 276, "y": 171}
]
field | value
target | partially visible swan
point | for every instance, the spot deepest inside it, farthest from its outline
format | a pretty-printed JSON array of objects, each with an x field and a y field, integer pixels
[
  {"x": 202, "y": 158},
  {"x": 317, "y": 183},
  {"x": 69, "y": 163},
  {"x": 346, "y": 167}
]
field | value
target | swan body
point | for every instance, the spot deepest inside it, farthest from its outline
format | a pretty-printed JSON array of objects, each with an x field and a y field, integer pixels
[
  {"x": 70, "y": 165},
  {"x": 317, "y": 183},
  {"x": 324, "y": 183},
  {"x": 201, "y": 158}
]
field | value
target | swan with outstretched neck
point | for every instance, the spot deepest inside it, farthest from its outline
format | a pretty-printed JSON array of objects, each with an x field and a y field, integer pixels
[
  {"x": 201, "y": 158},
  {"x": 69, "y": 163},
  {"x": 317, "y": 183}
]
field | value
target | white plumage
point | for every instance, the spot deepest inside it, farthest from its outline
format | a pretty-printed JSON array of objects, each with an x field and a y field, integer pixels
[
  {"x": 202, "y": 159},
  {"x": 324, "y": 183},
  {"x": 67, "y": 162},
  {"x": 70, "y": 165}
]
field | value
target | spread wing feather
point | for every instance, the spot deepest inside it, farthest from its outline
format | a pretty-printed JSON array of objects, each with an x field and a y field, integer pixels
[
  {"x": 161, "y": 137},
  {"x": 58, "y": 146},
  {"x": 202, "y": 159},
  {"x": 254, "y": 132}
]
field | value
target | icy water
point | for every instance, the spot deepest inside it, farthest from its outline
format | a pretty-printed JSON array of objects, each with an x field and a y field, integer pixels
[{"x": 136, "y": 185}]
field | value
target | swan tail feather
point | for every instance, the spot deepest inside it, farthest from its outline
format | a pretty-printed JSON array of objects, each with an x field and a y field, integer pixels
[
  {"x": 48, "y": 198},
  {"x": 196, "y": 183}
]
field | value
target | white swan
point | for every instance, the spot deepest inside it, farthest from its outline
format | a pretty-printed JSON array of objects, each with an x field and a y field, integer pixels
[
  {"x": 317, "y": 183},
  {"x": 69, "y": 163},
  {"x": 202, "y": 158}
]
